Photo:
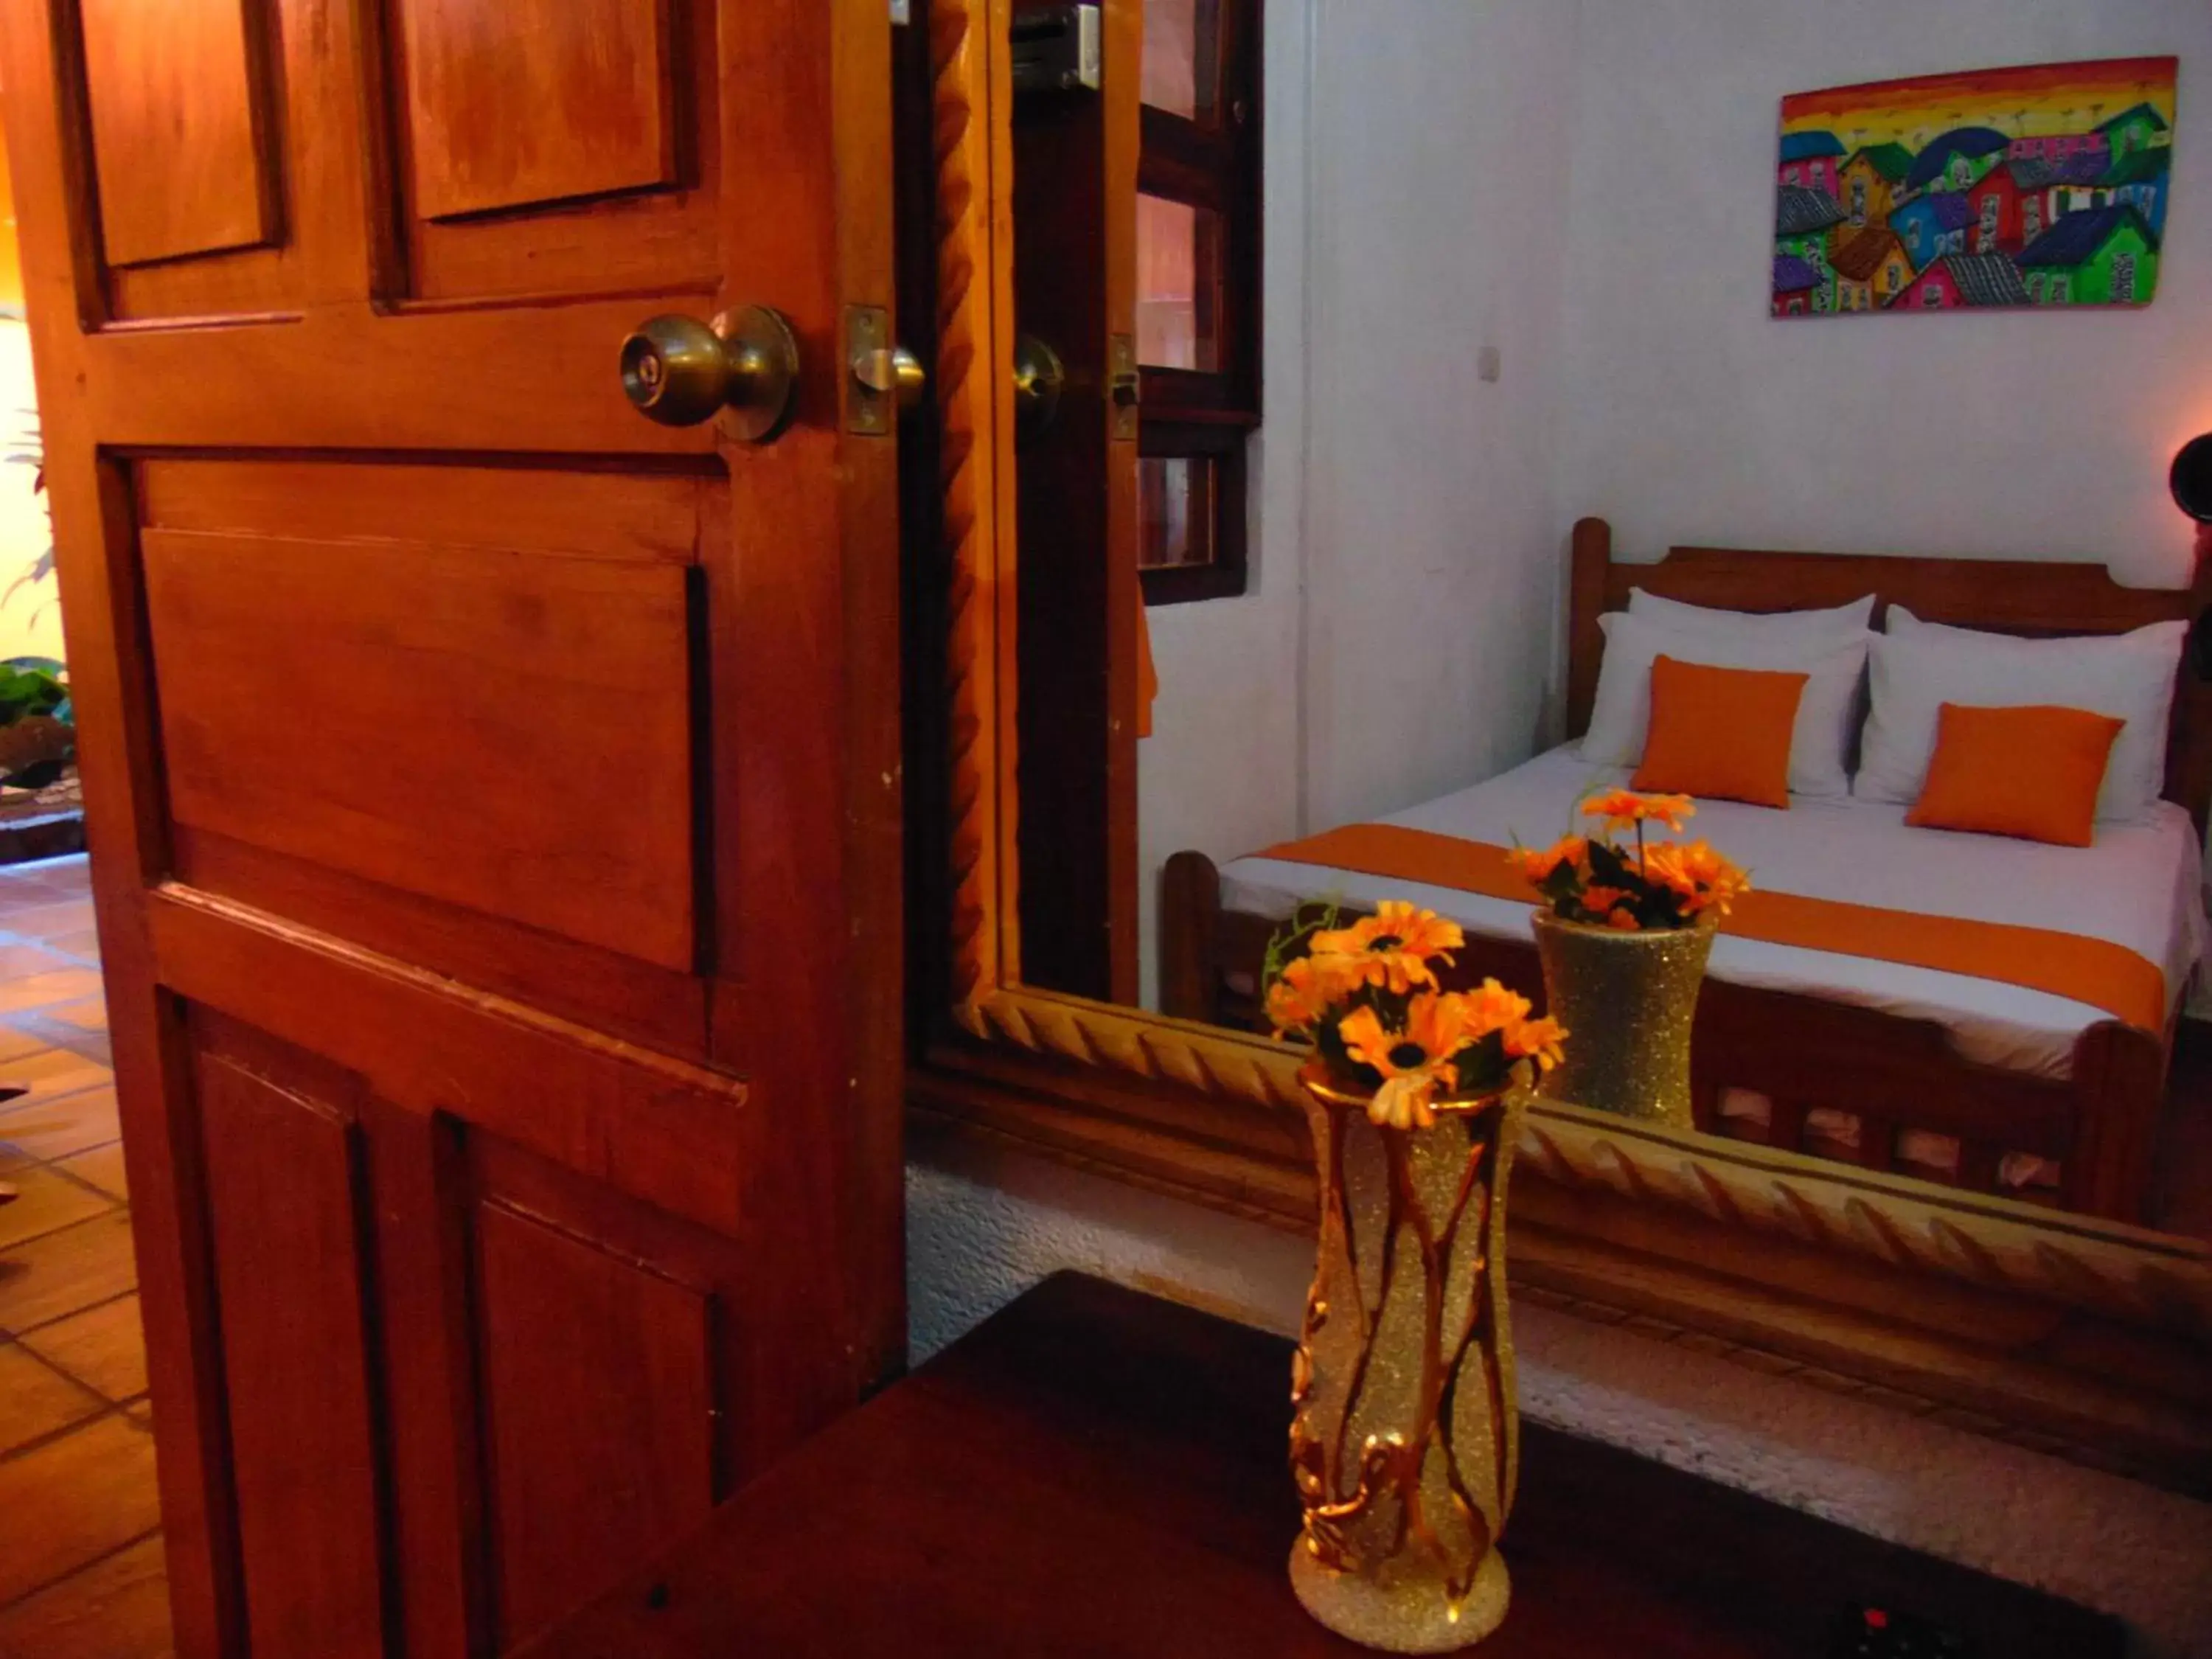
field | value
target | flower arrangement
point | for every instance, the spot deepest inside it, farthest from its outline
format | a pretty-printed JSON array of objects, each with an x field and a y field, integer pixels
[
  {"x": 1368, "y": 999},
  {"x": 1597, "y": 881}
]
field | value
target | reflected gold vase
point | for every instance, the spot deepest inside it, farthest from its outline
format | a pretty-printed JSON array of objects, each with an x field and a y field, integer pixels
[
  {"x": 1628, "y": 1001},
  {"x": 1406, "y": 1441}
]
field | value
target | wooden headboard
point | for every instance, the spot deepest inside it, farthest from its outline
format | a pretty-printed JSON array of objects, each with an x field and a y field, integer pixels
[{"x": 2006, "y": 596}]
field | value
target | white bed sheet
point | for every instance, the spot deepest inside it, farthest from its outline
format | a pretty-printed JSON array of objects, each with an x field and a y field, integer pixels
[{"x": 2140, "y": 886}]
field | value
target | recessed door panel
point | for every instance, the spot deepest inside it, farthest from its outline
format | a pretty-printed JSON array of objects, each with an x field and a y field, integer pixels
[
  {"x": 176, "y": 107},
  {"x": 554, "y": 149},
  {"x": 489, "y": 724},
  {"x": 476, "y": 73},
  {"x": 284, "y": 1189},
  {"x": 600, "y": 1395}
]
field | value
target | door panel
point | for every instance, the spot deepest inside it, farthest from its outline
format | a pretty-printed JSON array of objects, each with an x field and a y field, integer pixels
[
  {"x": 494, "y": 795},
  {"x": 177, "y": 104},
  {"x": 600, "y": 1399},
  {"x": 203, "y": 131},
  {"x": 339, "y": 702},
  {"x": 604, "y": 60},
  {"x": 284, "y": 1185},
  {"x": 613, "y": 104}
]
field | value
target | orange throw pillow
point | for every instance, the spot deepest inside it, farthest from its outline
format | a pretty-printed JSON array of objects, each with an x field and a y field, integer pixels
[
  {"x": 1720, "y": 733},
  {"x": 2030, "y": 773}
]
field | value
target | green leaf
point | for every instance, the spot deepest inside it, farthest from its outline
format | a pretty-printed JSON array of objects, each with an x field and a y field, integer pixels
[
  {"x": 1608, "y": 868},
  {"x": 1481, "y": 1066}
]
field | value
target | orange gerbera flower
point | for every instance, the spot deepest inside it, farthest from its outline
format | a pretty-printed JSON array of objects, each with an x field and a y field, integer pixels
[
  {"x": 1624, "y": 921},
  {"x": 1540, "y": 1040},
  {"x": 1603, "y": 900},
  {"x": 1394, "y": 947},
  {"x": 1536, "y": 865},
  {"x": 1412, "y": 1060},
  {"x": 1492, "y": 1007},
  {"x": 1701, "y": 877},
  {"x": 1307, "y": 988},
  {"x": 1624, "y": 808}
]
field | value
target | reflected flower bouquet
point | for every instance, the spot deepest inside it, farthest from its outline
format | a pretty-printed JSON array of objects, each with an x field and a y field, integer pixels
[{"x": 1598, "y": 881}]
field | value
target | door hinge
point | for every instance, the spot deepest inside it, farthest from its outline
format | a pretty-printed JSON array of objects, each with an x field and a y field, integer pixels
[{"x": 1058, "y": 49}]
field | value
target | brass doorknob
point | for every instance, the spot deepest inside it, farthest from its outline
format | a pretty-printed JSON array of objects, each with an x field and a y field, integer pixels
[
  {"x": 1040, "y": 378},
  {"x": 743, "y": 368}
]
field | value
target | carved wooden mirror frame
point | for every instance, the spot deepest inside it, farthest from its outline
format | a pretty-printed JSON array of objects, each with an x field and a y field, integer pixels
[{"x": 2087, "y": 1339}]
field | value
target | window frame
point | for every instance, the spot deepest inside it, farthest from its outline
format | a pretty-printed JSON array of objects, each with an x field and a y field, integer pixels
[
  {"x": 1222, "y": 444},
  {"x": 1212, "y": 163}
]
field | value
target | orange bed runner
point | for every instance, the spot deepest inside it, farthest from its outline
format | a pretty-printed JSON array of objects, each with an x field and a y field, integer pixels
[{"x": 2124, "y": 984}]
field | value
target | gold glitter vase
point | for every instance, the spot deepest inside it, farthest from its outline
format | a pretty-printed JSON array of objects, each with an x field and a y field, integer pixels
[
  {"x": 1630, "y": 1000},
  {"x": 1406, "y": 1442}
]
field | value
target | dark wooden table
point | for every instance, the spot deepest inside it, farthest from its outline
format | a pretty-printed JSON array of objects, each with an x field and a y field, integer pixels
[{"x": 1096, "y": 1472}]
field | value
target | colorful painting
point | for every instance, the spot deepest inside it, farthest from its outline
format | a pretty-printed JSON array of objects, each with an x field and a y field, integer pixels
[{"x": 2017, "y": 188}]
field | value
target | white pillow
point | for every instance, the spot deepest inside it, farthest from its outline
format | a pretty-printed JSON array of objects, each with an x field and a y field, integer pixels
[
  {"x": 1920, "y": 666},
  {"x": 1816, "y": 630},
  {"x": 1621, "y": 714}
]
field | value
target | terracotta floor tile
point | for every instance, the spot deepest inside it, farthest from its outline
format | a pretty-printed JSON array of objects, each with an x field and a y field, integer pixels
[
  {"x": 66, "y": 1272},
  {"x": 47, "y": 1073},
  {"x": 35, "y": 1400},
  {"x": 90, "y": 1013},
  {"x": 35, "y": 892},
  {"x": 116, "y": 1608},
  {"x": 22, "y": 961},
  {"x": 71, "y": 870},
  {"x": 44, "y": 1129},
  {"x": 85, "y": 945},
  {"x": 44, "y": 1203},
  {"x": 101, "y": 1167},
  {"x": 74, "y": 1500},
  {"x": 103, "y": 1347},
  {"x": 44, "y": 921},
  {"x": 14, "y": 1044},
  {"x": 66, "y": 984}
]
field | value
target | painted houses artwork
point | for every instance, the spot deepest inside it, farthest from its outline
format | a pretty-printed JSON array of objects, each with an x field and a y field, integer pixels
[{"x": 2016, "y": 187}]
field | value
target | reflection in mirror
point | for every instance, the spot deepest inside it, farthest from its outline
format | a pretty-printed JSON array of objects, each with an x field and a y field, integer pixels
[
  {"x": 1941, "y": 974},
  {"x": 1181, "y": 46},
  {"x": 1178, "y": 285},
  {"x": 1175, "y": 512}
]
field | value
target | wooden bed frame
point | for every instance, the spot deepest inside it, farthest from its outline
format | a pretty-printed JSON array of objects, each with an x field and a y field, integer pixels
[{"x": 1894, "y": 1074}]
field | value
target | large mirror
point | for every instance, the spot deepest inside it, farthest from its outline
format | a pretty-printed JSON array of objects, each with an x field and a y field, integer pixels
[{"x": 1392, "y": 508}]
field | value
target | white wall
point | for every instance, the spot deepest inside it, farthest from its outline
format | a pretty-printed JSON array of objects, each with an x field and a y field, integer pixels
[
  {"x": 1441, "y": 141},
  {"x": 1220, "y": 771},
  {"x": 1397, "y": 641},
  {"x": 1692, "y": 415},
  {"x": 30, "y": 618},
  {"x": 1410, "y": 539}
]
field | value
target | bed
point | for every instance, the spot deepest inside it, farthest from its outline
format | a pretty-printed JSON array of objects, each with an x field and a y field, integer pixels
[{"x": 1979, "y": 1083}]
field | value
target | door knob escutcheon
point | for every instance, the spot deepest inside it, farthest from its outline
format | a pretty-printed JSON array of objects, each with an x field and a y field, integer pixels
[{"x": 742, "y": 367}]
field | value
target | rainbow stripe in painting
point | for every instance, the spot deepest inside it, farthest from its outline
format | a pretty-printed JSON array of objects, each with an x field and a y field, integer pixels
[
  {"x": 2043, "y": 185},
  {"x": 2043, "y": 101}
]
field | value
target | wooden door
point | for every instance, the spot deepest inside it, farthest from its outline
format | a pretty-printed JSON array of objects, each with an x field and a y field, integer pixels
[
  {"x": 494, "y": 795},
  {"x": 1075, "y": 218}
]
